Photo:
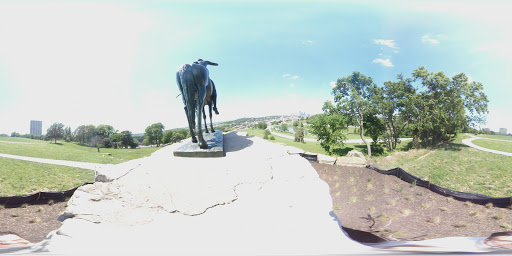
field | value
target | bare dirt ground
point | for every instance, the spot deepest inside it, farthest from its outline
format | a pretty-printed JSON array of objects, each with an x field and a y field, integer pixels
[
  {"x": 31, "y": 221},
  {"x": 373, "y": 207}
]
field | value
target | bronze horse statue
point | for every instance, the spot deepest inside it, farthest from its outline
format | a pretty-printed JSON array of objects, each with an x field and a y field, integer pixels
[
  {"x": 193, "y": 81},
  {"x": 211, "y": 100}
]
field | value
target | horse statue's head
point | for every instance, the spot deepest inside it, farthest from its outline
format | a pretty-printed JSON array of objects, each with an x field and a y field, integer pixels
[{"x": 205, "y": 62}]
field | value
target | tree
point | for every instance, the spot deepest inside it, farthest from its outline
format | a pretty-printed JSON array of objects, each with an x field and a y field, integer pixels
[
  {"x": 352, "y": 97},
  {"x": 105, "y": 131},
  {"x": 68, "y": 135},
  {"x": 328, "y": 128},
  {"x": 299, "y": 135},
  {"x": 15, "y": 134},
  {"x": 390, "y": 103},
  {"x": 55, "y": 131},
  {"x": 127, "y": 140},
  {"x": 444, "y": 106},
  {"x": 96, "y": 142},
  {"x": 166, "y": 138},
  {"x": 84, "y": 134},
  {"x": 284, "y": 127},
  {"x": 261, "y": 125},
  {"x": 154, "y": 133}
]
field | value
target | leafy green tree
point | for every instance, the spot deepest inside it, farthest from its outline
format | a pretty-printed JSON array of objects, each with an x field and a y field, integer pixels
[
  {"x": 68, "y": 135},
  {"x": 352, "y": 96},
  {"x": 116, "y": 139},
  {"x": 166, "y": 138},
  {"x": 261, "y": 125},
  {"x": 444, "y": 106},
  {"x": 390, "y": 103},
  {"x": 328, "y": 128},
  {"x": 299, "y": 135},
  {"x": 15, "y": 134},
  {"x": 127, "y": 140},
  {"x": 295, "y": 123},
  {"x": 55, "y": 131},
  {"x": 105, "y": 131},
  {"x": 284, "y": 127},
  {"x": 177, "y": 136},
  {"x": 96, "y": 142},
  {"x": 154, "y": 133}
]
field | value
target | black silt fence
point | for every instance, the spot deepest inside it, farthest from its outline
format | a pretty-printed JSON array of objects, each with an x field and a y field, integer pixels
[
  {"x": 461, "y": 196},
  {"x": 38, "y": 196}
]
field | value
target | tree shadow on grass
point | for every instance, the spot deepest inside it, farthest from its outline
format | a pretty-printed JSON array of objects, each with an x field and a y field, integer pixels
[{"x": 454, "y": 146}]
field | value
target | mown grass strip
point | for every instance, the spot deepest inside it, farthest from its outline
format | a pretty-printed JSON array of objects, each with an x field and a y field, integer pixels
[
  {"x": 19, "y": 177},
  {"x": 70, "y": 151},
  {"x": 505, "y": 146}
]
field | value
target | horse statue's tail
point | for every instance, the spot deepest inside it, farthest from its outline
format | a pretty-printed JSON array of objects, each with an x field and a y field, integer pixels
[
  {"x": 187, "y": 84},
  {"x": 214, "y": 98}
]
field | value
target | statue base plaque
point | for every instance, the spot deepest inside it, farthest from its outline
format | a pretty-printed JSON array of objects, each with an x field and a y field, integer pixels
[{"x": 215, "y": 147}]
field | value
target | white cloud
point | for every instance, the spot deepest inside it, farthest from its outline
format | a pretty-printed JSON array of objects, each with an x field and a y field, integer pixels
[
  {"x": 389, "y": 43},
  {"x": 385, "y": 63},
  {"x": 308, "y": 42},
  {"x": 290, "y": 76},
  {"x": 428, "y": 39},
  {"x": 292, "y": 85},
  {"x": 333, "y": 84}
]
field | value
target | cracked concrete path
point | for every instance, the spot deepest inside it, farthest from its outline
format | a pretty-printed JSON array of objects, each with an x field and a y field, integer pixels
[
  {"x": 469, "y": 142},
  {"x": 257, "y": 199}
]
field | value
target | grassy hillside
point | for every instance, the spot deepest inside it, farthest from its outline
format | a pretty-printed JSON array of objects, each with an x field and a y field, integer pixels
[{"x": 458, "y": 167}]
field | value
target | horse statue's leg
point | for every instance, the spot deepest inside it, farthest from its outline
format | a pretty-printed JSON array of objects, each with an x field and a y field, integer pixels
[
  {"x": 205, "y": 123},
  {"x": 191, "y": 126},
  {"x": 211, "y": 123},
  {"x": 201, "y": 91}
]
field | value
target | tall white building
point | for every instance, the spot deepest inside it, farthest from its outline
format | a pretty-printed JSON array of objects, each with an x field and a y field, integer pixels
[{"x": 36, "y": 127}]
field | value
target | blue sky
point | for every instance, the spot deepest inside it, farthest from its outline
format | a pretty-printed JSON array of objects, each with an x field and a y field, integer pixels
[{"x": 114, "y": 62}]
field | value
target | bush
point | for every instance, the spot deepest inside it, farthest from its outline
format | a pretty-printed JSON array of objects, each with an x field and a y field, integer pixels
[
  {"x": 265, "y": 136},
  {"x": 272, "y": 137}
]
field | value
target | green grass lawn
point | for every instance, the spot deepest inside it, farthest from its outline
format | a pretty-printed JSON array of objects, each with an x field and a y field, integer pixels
[
  {"x": 19, "y": 177},
  {"x": 70, "y": 151},
  {"x": 497, "y": 137},
  {"x": 458, "y": 167},
  {"x": 505, "y": 146}
]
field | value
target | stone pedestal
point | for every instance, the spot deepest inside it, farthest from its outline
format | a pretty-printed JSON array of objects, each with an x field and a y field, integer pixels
[{"x": 215, "y": 147}]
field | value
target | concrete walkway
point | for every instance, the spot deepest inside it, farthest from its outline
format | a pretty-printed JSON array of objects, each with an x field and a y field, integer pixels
[
  {"x": 84, "y": 165},
  {"x": 257, "y": 200},
  {"x": 469, "y": 142}
]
